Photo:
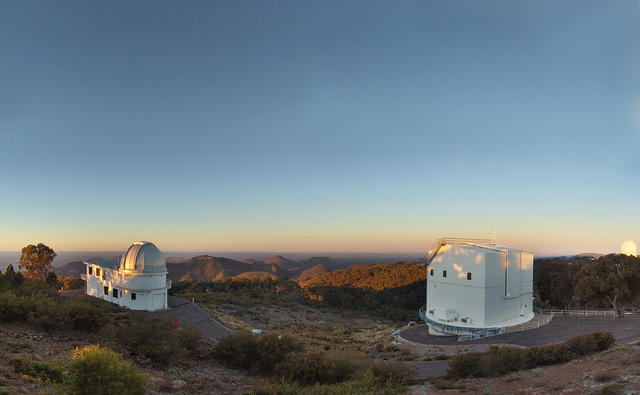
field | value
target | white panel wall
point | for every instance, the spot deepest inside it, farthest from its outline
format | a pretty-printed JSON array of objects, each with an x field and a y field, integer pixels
[
  {"x": 513, "y": 275},
  {"x": 482, "y": 298},
  {"x": 455, "y": 292}
]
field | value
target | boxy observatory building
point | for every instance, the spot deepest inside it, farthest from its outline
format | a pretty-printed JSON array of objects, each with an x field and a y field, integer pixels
[
  {"x": 138, "y": 281},
  {"x": 476, "y": 288}
]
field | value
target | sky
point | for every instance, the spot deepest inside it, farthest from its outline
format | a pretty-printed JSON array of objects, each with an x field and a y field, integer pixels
[{"x": 358, "y": 126}]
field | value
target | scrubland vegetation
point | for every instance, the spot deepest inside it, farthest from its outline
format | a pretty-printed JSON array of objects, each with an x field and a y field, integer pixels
[
  {"x": 611, "y": 281},
  {"x": 330, "y": 372},
  {"x": 500, "y": 360}
]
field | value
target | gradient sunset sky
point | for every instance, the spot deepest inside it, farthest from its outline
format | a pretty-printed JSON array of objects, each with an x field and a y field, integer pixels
[{"x": 319, "y": 125}]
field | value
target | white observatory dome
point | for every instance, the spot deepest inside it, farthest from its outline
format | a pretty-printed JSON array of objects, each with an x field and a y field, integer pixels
[
  {"x": 628, "y": 247},
  {"x": 143, "y": 257}
]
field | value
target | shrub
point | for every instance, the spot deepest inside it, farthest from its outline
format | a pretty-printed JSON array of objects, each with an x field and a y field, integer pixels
[
  {"x": 97, "y": 371},
  {"x": 501, "y": 360},
  {"x": 157, "y": 340},
  {"x": 239, "y": 349},
  {"x": 366, "y": 385},
  {"x": 393, "y": 371},
  {"x": 52, "y": 372},
  {"x": 258, "y": 353},
  {"x": 273, "y": 349},
  {"x": 317, "y": 367},
  {"x": 84, "y": 316}
]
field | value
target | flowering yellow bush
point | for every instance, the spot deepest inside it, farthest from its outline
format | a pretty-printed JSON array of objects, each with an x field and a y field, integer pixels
[{"x": 98, "y": 370}]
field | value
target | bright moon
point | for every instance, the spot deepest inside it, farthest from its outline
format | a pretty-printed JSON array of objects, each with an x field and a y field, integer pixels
[{"x": 628, "y": 247}]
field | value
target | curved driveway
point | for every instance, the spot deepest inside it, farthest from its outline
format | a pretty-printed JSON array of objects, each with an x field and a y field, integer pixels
[
  {"x": 559, "y": 329},
  {"x": 190, "y": 314}
]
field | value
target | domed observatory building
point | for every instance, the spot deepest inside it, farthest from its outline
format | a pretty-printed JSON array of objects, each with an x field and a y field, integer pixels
[
  {"x": 475, "y": 288},
  {"x": 138, "y": 281}
]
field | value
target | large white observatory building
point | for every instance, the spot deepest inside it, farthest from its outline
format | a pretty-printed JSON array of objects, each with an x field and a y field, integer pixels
[
  {"x": 138, "y": 281},
  {"x": 476, "y": 287}
]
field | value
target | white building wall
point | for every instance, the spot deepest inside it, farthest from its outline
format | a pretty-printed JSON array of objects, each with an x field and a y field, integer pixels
[
  {"x": 455, "y": 293},
  {"x": 150, "y": 289},
  {"x": 500, "y": 292}
]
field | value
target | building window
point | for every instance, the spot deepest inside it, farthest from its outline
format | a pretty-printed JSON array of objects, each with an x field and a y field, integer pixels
[
  {"x": 133, "y": 296},
  {"x": 469, "y": 276},
  {"x": 431, "y": 272},
  {"x": 115, "y": 293},
  {"x": 106, "y": 290},
  {"x": 98, "y": 271},
  {"x": 90, "y": 270},
  {"x": 444, "y": 273}
]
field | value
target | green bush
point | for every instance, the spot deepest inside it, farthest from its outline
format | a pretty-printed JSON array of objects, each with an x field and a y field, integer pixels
[
  {"x": 393, "y": 371},
  {"x": 52, "y": 372},
  {"x": 252, "y": 352},
  {"x": 366, "y": 385},
  {"x": 317, "y": 367},
  {"x": 84, "y": 316},
  {"x": 98, "y": 371},
  {"x": 501, "y": 360},
  {"x": 157, "y": 340}
]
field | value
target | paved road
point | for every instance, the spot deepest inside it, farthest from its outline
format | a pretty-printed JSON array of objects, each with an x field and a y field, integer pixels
[
  {"x": 192, "y": 315},
  {"x": 559, "y": 329}
]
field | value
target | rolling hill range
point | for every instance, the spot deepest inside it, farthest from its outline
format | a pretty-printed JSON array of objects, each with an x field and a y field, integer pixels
[{"x": 209, "y": 268}]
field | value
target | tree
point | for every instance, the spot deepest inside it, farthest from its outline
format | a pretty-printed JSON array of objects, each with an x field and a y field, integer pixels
[
  {"x": 36, "y": 260},
  {"x": 52, "y": 279},
  {"x": 613, "y": 278}
]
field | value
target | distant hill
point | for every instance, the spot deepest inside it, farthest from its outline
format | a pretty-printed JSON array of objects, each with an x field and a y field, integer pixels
[
  {"x": 312, "y": 272},
  {"x": 280, "y": 261},
  {"x": 377, "y": 276},
  {"x": 75, "y": 269},
  {"x": 208, "y": 268}
]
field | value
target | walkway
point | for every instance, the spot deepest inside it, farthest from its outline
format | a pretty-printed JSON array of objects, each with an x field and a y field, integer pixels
[{"x": 190, "y": 314}]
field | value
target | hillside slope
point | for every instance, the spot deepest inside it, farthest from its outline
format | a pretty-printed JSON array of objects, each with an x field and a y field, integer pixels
[
  {"x": 208, "y": 268},
  {"x": 377, "y": 276},
  {"x": 312, "y": 272}
]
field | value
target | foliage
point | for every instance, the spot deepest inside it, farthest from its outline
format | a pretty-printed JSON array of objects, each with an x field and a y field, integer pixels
[
  {"x": 36, "y": 260},
  {"x": 95, "y": 370},
  {"x": 501, "y": 360},
  {"x": 399, "y": 304},
  {"x": 52, "y": 372},
  {"x": 29, "y": 301},
  {"x": 334, "y": 367},
  {"x": 158, "y": 340},
  {"x": 553, "y": 280},
  {"x": 614, "y": 278},
  {"x": 317, "y": 367},
  {"x": 378, "y": 276},
  {"x": 52, "y": 279},
  {"x": 252, "y": 352},
  {"x": 366, "y": 385}
]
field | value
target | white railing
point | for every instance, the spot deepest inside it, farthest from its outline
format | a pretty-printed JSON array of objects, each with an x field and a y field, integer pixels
[{"x": 578, "y": 313}]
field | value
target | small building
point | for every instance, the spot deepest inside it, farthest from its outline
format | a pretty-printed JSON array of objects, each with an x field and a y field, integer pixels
[
  {"x": 477, "y": 287},
  {"x": 138, "y": 281}
]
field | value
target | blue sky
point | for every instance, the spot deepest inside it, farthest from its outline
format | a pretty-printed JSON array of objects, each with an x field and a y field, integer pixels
[{"x": 319, "y": 126}]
